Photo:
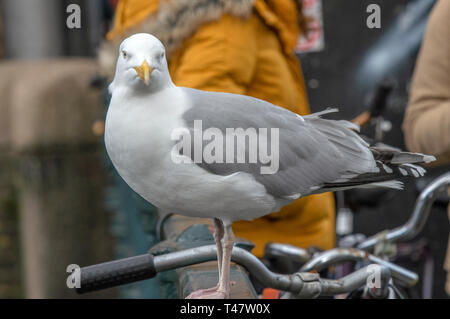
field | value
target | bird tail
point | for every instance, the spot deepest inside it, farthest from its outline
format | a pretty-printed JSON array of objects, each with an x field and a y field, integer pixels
[
  {"x": 372, "y": 166},
  {"x": 392, "y": 164}
]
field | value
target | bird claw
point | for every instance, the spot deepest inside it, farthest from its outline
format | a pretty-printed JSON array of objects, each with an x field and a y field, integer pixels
[
  {"x": 195, "y": 294},
  {"x": 211, "y": 293}
]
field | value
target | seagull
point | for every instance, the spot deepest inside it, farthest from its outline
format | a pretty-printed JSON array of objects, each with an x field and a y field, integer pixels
[{"x": 169, "y": 144}]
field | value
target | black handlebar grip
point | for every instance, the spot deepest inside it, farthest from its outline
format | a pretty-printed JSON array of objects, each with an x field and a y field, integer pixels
[
  {"x": 115, "y": 273},
  {"x": 379, "y": 100}
]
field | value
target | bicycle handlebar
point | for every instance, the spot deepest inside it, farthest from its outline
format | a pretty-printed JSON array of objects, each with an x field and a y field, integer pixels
[
  {"x": 377, "y": 104},
  {"x": 337, "y": 255},
  {"x": 115, "y": 273},
  {"x": 146, "y": 266},
  {"x": 417, "y": 220},
  {"x": 274, "y": 250}
]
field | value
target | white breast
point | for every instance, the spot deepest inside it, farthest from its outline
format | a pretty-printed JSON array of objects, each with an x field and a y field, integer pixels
[{"x": 138, "y": 140}]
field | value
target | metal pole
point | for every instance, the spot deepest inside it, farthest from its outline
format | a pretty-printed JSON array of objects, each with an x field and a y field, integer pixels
[
  {"x": 418, "y": 218},
  {"x": 339, "y": 255}
]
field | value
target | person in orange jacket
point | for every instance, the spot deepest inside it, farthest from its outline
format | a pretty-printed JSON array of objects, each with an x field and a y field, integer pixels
[{"x": 237, "y": 46}]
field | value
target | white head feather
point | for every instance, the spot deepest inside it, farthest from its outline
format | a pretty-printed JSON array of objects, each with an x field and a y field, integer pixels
[{"x": 136, "y": 53}]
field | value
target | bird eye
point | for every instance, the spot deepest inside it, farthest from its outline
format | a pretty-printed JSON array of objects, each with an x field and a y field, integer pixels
[
  {"x": 161, "y": 55},
  {"x": 124, "y": 54}
]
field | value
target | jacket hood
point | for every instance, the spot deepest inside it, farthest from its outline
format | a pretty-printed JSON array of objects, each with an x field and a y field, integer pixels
[{"x": 174, "y": 21}]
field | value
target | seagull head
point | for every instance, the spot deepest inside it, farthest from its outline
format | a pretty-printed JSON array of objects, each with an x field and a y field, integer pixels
[{"x": 141, "y": 64}]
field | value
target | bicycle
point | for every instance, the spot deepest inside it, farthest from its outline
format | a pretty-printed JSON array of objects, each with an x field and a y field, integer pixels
[
  {"x": 380, "y": 242},
  {"x": 307, "y": 282}
]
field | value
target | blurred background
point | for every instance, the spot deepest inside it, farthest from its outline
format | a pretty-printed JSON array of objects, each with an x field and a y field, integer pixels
[{"x": 61, "y": 201}]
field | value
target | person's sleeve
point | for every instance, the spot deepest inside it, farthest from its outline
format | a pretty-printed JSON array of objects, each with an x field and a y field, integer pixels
[
  {"x": 219, "y": 56},
  {"x": 427, "y": 118}
]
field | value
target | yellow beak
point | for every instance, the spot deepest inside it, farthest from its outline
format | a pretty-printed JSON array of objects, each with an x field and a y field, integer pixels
[{"x": 144, "y": 72}]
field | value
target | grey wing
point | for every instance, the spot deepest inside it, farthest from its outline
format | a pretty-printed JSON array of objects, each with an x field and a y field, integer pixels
[{"x": 312, "y": 151}]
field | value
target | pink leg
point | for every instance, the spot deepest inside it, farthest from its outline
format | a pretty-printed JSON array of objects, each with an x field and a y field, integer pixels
[
  {"x": 223, "y": 291},
  {"x": 228, "y": 242},
  {"x": 218, "y": 235}
]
